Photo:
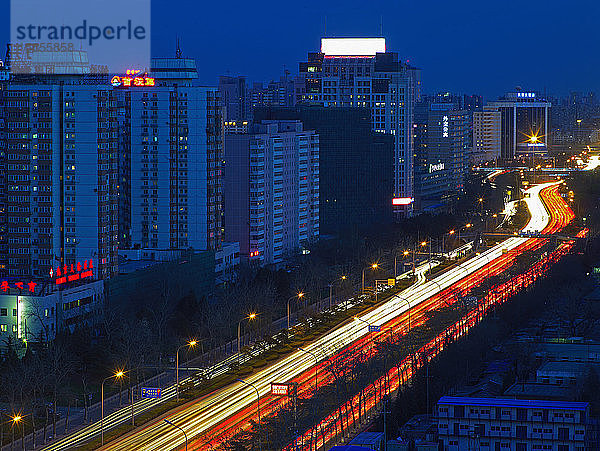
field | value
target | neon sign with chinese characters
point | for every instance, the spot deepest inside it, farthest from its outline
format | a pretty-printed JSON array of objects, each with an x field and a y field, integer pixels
[
  {"x": 5, "y": 286},
  {"x": 132, "y": 78},
  {"x": 75, "y": 271}
]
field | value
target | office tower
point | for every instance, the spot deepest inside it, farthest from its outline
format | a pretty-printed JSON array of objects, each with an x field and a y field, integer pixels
[
  {"x": 171, "y": 156},
  {"x": 487, "y": 126},
  {"x": 524, "y": 124},
  {"x": 355, "y": 164},
  {"x": 235, "y": 99},
  {"x": 441, "y": 140},
  {"x": 359, "y": 72},
  {"x": 61, "y": 176},
  {"x": 272, "y": 189}
]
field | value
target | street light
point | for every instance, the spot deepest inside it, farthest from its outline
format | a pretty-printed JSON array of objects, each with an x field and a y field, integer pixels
[
  {"x": 404, "y": 254},
  {"x": 191, "y": 344},
  {"x": 316, "y": 365},
  {"x": 15, "y": 420},
  {"x": 181, "y": 429},
  {"x": 466, "y": 226},
  {"x": 300, "y": 296},
  {"x": 373, "y": 266},
  {"x": 424, "y": 243},
  {"x": 257, "y": 406},
  {"x": 408, "y": 304},
  {"x": 118, "y": 375},
  {"x": 331, "y": 289},
  {"x": 250, "y": 317}
]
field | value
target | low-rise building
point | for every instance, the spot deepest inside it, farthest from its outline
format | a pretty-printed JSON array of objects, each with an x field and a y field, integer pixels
[
  {"x": 500, "y": 424},
  {"x": 33, "y": 312}
]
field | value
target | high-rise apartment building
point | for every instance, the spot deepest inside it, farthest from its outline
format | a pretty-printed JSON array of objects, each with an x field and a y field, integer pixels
[
  {"x": 487, "y": 127},
  {"x": 272, "y": 189},
  {"x": 351, "y": 157},
  {"x": 60, "y": 176},
  {"x": 441, "y": 140},
  {"x": 274, "y": 93},
  {"x": 359, "y": 72},
  {"x": 235, "y": 99},
  {"x": 170, "y": 160},
  {"x": 524, "y": 124}
]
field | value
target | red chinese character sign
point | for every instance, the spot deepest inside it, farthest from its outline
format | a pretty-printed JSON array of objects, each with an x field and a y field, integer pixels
[
  {"x": 133, "y": 78},
  {"x": 5, "y": 285},
  {"x": 73, "y": 272}
]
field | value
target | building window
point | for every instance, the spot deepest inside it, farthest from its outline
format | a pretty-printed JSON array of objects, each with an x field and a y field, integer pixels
[
  {"x": 14, "y": 328},
  {"x": 563, "y": 434},
  {"x": 14, "y": 312},
  {"x": 3, "y": 312},
  {"x": 3, "y": 328},
  {"x": 459, "y": 411}
]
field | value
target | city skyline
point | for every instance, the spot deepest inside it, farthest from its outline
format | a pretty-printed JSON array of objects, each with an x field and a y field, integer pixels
[{"x": 501, "y": 48}]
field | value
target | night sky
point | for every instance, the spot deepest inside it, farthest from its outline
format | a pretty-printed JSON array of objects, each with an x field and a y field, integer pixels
[{"x": 471, "y": 46}]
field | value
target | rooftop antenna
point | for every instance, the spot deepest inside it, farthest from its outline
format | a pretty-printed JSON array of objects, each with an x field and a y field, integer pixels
[
  {"x": 178, "y": 53},
  {"x": 381, "y": 26},
  {"x": 325, "y": 26}
]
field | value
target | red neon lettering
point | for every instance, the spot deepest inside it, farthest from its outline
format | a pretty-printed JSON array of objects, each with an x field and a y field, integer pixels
[
  {"x": 85, "y": 264},
  {"x": 4, "y": 286},
  {"x": 149, "y": 81},
  {"x": 19, "y": 285},
  {"x": 126, "y": 81},
  {"x": 31, "y": 286},
  {"x": 85, "y": 274},
  {"x": 65, "y": 269},
  {"x": 78, "y": 266},
  {"x": 91, "y": 263},
  {"x": 138, "y": 81},
  {"x": 61, "y": 280},
  {"x": 73, "y": 277},
  {"x": 58, "y": 272}
]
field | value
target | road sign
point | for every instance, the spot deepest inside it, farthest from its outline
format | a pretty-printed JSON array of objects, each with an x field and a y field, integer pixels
[
  {"x": 151, "y": 392},
  {"x": 374, "y": 328},
  {"x": 279, "y": 389},
  {"x": 391, "y": 282}
]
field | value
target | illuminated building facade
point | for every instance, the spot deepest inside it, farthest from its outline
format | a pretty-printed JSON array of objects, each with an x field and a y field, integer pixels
[
  {"x": 524, "y": 124},
  {"x": 60, "y": 177},
  {"x": 359, "y": 72},
  {"x": 170, "y": 161},
  {"x": 272, "y": 190},
  {"x": 487, "y": 126},
  {"x": 441, "y": 140}
]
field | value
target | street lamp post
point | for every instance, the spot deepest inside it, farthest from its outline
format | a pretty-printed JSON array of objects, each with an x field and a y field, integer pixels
[
  {"x": 331, "y": 289},
  {"x": 404, "y": 254},
  {"x": 373, "y": 266},
  {"x": 299, "y": 296},
  {"x": 316, "y": 365},
  {"x": 191, "y": 344},
  {"x": 407, "y": 303},
  {"x": 181, "y": 429},
  {"x": 257, "y": 406},
  {"x": 250, "y": 317},
  {"x": 424, "y": 243},
  {"x": 15, "y": 420},
  {"x": 466, "y": 226},
  {"x": 118, "y": 375}
]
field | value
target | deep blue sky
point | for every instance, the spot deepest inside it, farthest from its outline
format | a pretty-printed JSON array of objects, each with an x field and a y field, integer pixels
[{"x": 472, "y": 46}]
